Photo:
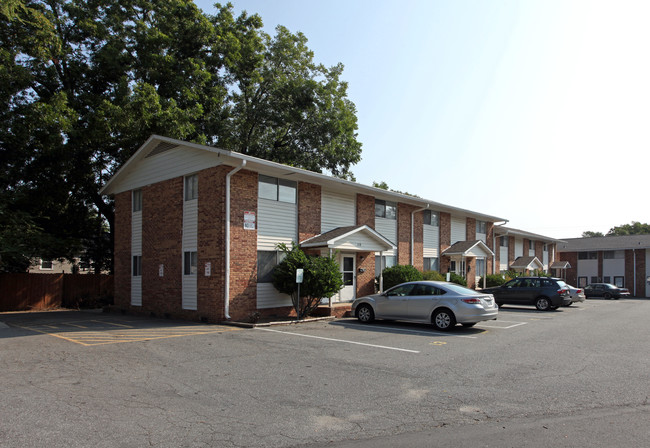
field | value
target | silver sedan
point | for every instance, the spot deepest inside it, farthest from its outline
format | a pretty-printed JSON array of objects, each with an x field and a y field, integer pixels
[{"x": 441, "y": 303}]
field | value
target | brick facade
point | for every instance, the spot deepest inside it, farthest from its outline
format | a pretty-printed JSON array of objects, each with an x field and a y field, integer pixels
[
  {"x": 489, "y": 236},
  {"x": 122, "y": 250},
  {"x": 309, "y": 210},
  {"x": 445, "y": 240},
  {"x": 470, "y": 229},
  {"x": 365, "y": 210}
]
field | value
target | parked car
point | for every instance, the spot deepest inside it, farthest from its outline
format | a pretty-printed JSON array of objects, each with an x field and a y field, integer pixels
[
  {"x": 606, "y": 291},
  {"x": 441, "y": 303},
  {"x": 546, "y": 293},
  {"x": 577, "y": 294}
]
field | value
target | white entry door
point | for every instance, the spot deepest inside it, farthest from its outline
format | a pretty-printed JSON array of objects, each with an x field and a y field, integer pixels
[{"x": 348, "y": 272}]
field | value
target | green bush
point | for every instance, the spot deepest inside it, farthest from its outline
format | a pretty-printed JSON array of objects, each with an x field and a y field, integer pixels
[
  {"x": 433, "y": 275},
  {"x": 458, "y": 279},
  {"x": 493, "y": 280},
  {"x": 397, "y": 274}
]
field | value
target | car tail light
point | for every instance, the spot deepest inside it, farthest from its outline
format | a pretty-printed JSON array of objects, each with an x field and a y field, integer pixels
[
  {"x": 471, "y": 300},
  {"x": 562, "y": 291},
  {"x": 579, "y": 291}
]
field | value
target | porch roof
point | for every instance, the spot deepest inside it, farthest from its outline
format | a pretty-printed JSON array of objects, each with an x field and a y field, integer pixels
[
  {"x": 475, "y": 248},
  {"x": 527, "y": 263},
  {"x": 560, "y": 265},
  {"x": 350, "y": 238}
]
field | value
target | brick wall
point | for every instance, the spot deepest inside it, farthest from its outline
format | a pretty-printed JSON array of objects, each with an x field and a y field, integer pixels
[
  {"x": 365, "y": 210},
  {"x": 445, "y": 240},
  {"x": 539, "y": 250},
  {"x": 489, "y": 236},
  {"x": 162, "y": 223},
  {"x": 309, "y": 210},
  {"x": 470, "y": 229},
  {"x": 243, "y": 244},
  {"x": 366, "y": 279},
  {"x": 122, "y": 250},
  {"x": 404, "y": 233},
  {"x": 211, "y": 243},
  {"x": 640, "y": 274},
  {"x": 572, "y": 272},
  {"x": 511, "y": 251}
]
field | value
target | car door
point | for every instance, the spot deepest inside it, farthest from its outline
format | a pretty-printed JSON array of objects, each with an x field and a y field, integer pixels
[
  {"x": 393, "y": 304},
  {"x": 422, "y": 301},
  {"x": 513, "y": 291}
]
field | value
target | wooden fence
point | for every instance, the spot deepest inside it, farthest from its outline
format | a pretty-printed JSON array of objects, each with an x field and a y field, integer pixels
[{"x": 22, "y": 292}]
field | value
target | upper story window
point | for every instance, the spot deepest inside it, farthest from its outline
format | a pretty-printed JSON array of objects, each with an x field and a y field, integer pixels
[
  {"x": 275, "y": 189},
  {"x": 503, "y": 241},
  {"x": 613, "y": 254},
  {"x": 545, "y": 249},
  {"x": 588, "y": 256},
  {"x": 191, "y": 187},
  {"x": 481, "y": 227},
  {"x": 431, "y": 218},
  {"x": 385, "y": 209},
  {"x": 137, "y": 200},
  {"x": 531, "y": 244}
]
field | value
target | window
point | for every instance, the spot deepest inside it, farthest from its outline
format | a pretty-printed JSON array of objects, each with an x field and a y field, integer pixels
[
  {"x": 613, "y": 254},
  {"x": 389, "y": 261},
  {"x": 480, "y": 267},
  {"x": 402, "y": 290},
  {"x": 267, "y": 260},
  {"x": 137, "y": 200},
  {"x": 46, "y": 265},
  {"x": 137, "y": 265},
  {"x": 453, "y": 265},
  {"x": 587, "y": 255},
  {"x": 430, "y": 264},
  {"x": 430, "y": 218},
  {"x": 190, "y": 263},
  {"x": 385, "y": 209},
  {"x": 607, "y": 279},
  {"x": 503, "y": 241},
  {"x": 619, "y": 281},
  {"x": 531, "y": 244},
  {"x": 481, "y": 227},
  {"x": 191, "y": 187},
  {"x": 545, "y": 248},
  {"x": 275, "y": 189},
  {"x": 594, "y": 279},
  {"x": 582, "y": 282}
]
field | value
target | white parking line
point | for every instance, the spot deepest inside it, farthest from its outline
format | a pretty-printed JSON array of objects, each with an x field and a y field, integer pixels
[
  {"x": 516, "y": 324},
  {"x": 405, "y": 330},
  {"x": 339, "y": 340}
]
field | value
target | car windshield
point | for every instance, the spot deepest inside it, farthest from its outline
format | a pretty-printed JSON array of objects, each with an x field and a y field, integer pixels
[{"x": 453, "y": 287}]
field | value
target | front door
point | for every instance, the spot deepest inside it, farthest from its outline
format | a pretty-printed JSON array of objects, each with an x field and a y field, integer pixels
[{"x": 348, "y": 292}]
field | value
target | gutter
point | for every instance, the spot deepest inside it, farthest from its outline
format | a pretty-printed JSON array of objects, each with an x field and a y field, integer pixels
[
  {"x": 412, "y": 225},
  {"x": 494, "y": 242},
  {"x": 226, "y": 295}
]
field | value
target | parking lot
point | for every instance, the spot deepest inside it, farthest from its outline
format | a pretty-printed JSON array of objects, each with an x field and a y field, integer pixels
[{"x": 88, "y": 378}]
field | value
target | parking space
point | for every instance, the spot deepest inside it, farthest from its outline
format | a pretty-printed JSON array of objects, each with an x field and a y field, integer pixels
[{"x": 91, "y": 329}]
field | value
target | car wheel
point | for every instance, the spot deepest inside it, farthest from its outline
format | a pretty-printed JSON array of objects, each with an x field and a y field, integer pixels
[
  {"x": 365, "y": 314},
  {"x": 543, "y": 304},
  {"x": 607, "y": 296},
  {"x": 444, "y": 320},
  {"x": 469, "y": 325}
]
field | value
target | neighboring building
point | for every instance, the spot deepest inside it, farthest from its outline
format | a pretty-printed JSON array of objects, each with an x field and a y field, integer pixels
[
  {"x": 620, "y": 260},
  {"x": 523, "y": 251},
  {"x": 45, "y": 266},
  {"x": 196, "y": 229}
]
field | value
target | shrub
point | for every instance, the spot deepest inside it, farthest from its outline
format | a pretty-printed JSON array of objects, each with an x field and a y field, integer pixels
[
  {"x": 433, "y": 275},
  {"x": 458, "y": 279},
  {"x": 397, "y": 274},
  {"x": 493, "y": 280}
]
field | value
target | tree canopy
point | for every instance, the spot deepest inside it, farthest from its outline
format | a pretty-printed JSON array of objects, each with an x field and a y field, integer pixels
[
  {"x": 83, "y": 83},
  {"x": 634, "y": 228}
]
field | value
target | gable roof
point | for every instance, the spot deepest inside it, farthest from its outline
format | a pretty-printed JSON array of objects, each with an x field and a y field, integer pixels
[
  {"x": 157, "y": 148},
  {"x": 605, "y": 243},
  {"x": 527, "y": 263},
  {"x": 560, "y": 265},
  {"x": 356, "y": 238},
  {"x": 503, "y": 231},
  {"x": 471, "y": 248}
]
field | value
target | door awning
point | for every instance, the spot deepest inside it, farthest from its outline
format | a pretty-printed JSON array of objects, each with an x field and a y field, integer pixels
[
  {"x": 350, "y": 238},
  {"x": 560, "y": 265},
  {"x": 527, "y": 263},
  {"x": 475, "y": 248}
]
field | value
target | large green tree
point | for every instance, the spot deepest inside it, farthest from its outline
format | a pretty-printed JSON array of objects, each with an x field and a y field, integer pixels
[
  {"x": 634, "y": 228},
  {"x": 84, "y": 82}
]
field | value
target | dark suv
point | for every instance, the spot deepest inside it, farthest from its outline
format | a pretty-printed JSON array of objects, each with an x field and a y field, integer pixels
[{"x": 546, "y": 293}]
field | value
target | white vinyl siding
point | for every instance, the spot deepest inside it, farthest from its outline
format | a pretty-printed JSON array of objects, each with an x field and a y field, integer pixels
[
  {"x": 337, "y": 210},
  {"x": 458, "y": 230},
  {"x": 168, "y": 165},
  {"x": 545, "y": 260},
  {"x": 269, "y": 297},
  {"x": 588, "y": 268},
  {"x": 613, "y": 267},
  {"x": 431, "y": 241},
  {"x": 276, "y": 223},
  {"x": 388, "y": 229},
  {"x": 482, "y": 237},
  {"x": 519, "y": 248},
  {"x": 136, "y": 250},
  {"x": 189, "y": 241}
]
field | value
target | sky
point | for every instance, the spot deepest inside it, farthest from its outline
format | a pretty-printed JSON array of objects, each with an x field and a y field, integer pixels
[{"x": 536, "y": 111}]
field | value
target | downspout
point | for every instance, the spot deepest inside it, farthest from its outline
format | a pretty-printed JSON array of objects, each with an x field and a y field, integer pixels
[
  {"x": 412, "y": 226},
  {"x": 226, "y": 294}
]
